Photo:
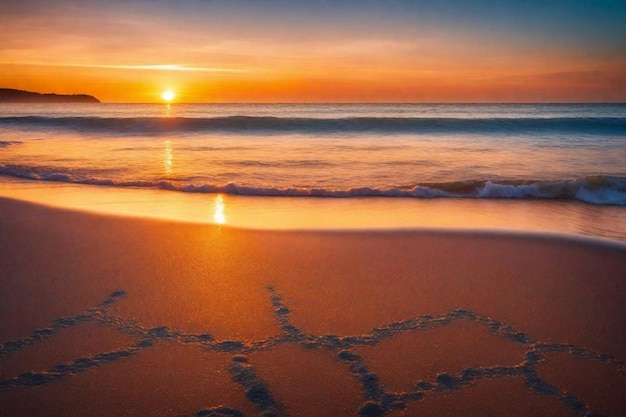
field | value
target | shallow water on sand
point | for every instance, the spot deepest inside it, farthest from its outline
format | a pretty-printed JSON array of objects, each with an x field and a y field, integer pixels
[{"x": 543, "y": 216}]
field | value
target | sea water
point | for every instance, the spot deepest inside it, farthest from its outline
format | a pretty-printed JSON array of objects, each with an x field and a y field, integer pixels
[{"x": 570, "y": 154}]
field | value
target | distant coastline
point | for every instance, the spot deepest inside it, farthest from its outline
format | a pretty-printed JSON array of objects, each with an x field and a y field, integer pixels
[{"x": 10, "y": 95}]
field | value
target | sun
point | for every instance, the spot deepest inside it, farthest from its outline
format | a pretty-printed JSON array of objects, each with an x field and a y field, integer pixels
[{"x": 168, "y": 95}]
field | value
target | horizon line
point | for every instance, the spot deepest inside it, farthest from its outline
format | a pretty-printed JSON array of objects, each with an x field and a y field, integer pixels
[{"x": 360, "y": 102}]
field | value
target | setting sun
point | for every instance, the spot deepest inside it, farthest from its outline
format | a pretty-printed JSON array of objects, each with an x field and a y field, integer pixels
[{"x": 168, "y": 95}]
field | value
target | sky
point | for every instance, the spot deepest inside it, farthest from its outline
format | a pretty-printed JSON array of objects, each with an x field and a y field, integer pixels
[{"x": 318, "y": 50}]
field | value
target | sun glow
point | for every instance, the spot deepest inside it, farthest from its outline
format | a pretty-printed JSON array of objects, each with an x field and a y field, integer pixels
[{"x": 168, "y": 95}]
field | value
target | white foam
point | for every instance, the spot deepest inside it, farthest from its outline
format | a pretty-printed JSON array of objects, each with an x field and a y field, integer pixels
[
  {"x": 602, "y": 196},
  {"x": 495, "y": 190},
  {"x": 594, "y": 190}
]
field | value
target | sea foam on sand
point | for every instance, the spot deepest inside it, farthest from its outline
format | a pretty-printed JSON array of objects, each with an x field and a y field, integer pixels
[{"x": 103, "y": 315}]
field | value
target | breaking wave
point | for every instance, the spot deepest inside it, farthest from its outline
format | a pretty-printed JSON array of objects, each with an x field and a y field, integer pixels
[{"x": 601, "y": 190}]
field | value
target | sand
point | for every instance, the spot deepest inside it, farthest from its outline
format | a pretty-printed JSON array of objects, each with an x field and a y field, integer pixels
[{"x": 116, "y": 316}]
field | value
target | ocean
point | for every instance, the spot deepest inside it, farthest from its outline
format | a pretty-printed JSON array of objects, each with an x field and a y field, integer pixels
[{"x": 573, "y": 155}]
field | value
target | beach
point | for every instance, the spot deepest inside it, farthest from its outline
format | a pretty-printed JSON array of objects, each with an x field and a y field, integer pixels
[
  {"x": 312, "y": 209},
  {"x": 118, "y": 315}
]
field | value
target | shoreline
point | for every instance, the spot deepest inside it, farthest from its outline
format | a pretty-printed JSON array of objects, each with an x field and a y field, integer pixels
[
  {"x": 96, "y": 309},
  {"x": 296, "y": 213},
  {"x": 485, "y": 232}
]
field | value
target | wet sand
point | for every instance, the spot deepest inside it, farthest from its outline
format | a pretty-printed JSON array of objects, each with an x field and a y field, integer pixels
[
  {"x": 302, "y": 213},
  {"x": 114, "y": 316}
]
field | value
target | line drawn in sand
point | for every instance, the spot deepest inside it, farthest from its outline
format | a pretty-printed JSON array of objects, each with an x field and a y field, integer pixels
[{"x": 379, "y": 402}]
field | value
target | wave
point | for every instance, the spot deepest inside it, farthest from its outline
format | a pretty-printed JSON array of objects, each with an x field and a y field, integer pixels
[
  {"x": 601, "y": 190},
  {"x": 269, "y": 125}
]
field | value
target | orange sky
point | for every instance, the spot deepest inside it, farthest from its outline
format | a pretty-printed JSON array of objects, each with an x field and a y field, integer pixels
[{"x": 238, "y": 52}]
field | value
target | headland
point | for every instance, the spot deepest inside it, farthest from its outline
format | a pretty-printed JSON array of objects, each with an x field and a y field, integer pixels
[{"x": 10, "y": 95}]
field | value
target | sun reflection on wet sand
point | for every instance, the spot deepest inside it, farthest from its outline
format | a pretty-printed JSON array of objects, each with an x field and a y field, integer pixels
[{"x": 218, "y": 215}]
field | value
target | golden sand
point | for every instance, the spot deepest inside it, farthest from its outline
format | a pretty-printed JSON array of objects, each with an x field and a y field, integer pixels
[{"x": 116, "y": 316}]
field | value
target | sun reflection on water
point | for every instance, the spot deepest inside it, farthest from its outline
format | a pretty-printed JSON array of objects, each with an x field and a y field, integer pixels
[
  {"x": 168, "y": 159},
  {"x": 167, "y": 110},
  {"x": 218, "y": 215}
]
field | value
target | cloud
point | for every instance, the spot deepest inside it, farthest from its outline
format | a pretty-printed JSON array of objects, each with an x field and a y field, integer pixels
[{"x": 157, "y": 67}]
